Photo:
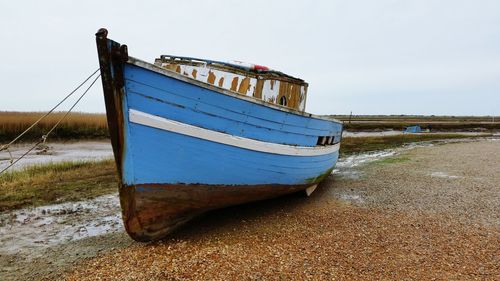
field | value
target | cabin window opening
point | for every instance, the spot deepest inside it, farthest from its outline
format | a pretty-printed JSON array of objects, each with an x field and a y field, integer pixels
[
  {"x": 321, "y": 141},
  {"x": 283, "y": 101},
  {"x": 326, "y": 140}
]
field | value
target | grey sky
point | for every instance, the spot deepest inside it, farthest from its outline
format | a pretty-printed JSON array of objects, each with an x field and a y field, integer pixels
[{"x": 371, "y": 57}]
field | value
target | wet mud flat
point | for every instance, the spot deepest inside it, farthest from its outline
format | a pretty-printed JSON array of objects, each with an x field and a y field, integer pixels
[
  {"x": 38, "y": 242},
  {"x": 419, "y": 212},
  {"x": 56, "y": 152}
]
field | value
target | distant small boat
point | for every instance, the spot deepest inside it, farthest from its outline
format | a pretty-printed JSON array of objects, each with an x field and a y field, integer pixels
[
  {"x": 413, "y": 129},
  {"x": 191, "y": 135}
]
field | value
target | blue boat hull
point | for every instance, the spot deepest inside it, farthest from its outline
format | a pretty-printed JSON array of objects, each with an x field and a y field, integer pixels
[{"x": 183, "y": 148}]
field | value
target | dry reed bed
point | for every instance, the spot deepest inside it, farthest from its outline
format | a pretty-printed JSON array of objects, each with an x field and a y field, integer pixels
[{"x": 75, "y": 125}]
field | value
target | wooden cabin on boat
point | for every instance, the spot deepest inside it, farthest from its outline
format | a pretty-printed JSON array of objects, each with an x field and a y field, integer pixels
[{"x": 246, "y": 79}]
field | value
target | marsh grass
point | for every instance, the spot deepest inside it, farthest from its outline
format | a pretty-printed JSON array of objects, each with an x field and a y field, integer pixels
[
  {"x": 74, "y": 126},
  {"x": 56, "y": 182}
]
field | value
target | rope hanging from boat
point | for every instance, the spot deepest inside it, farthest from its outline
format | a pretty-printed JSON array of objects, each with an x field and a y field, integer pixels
[{"x": 44, "y": 137}]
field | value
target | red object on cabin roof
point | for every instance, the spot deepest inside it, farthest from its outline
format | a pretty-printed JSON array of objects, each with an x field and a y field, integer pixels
[{"x": 260, "y": 67}]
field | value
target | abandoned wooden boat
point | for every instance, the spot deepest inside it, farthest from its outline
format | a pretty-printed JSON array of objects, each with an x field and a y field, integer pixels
[{"x": 190, "y": 135}]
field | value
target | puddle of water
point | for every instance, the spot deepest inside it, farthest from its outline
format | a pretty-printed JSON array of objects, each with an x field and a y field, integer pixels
[
  {"x": 356, "y": 198},
  {"x": 57, "y": 152},
  {"x": 45, "y": 226},
  {"x": 358, "y": 159},
  {"x": 346, "y": 167},
  {"x": 443, "y": 175}
]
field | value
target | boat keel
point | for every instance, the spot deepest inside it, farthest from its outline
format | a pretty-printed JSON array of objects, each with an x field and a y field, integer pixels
[{"x": 152, "y": 211}]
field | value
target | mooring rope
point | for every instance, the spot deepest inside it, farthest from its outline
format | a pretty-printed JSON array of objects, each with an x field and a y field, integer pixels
[
  {"x": 44, "y": 137},
  {"x": 3, "y": 147}
]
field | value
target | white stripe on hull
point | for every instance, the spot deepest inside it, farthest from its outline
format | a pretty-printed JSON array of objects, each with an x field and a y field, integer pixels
[{"x": 157, "y": 122}]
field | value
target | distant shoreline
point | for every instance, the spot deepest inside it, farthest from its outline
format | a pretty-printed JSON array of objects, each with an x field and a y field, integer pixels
[{"x": 93, "y": 126}]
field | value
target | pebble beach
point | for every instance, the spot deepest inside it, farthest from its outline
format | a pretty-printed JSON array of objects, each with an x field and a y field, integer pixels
[{"x": 426, "y": 213}]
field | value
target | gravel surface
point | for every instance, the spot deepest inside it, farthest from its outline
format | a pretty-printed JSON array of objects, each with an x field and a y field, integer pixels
[
  {"x": 460, "y": 180},
  {"x": 429, "y": 213}
]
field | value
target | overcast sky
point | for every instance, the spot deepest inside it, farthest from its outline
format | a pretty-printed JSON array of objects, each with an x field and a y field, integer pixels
[{"x": 368, "y": 57}]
